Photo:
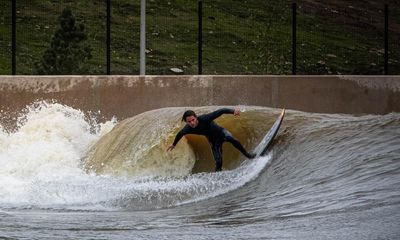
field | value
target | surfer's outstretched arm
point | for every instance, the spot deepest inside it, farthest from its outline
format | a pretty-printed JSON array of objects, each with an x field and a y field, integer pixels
[
  {"x": 178, "y": 137},
  {"x": 213, "y": 115}
]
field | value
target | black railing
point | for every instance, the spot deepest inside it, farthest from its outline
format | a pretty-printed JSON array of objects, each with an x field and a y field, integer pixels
[
  {"x": 108, "y": 57},
  {"x": 200, "y": 39},
  {"x": 294, "y": 37},
  {"x": 386, "y": 39},
  {"x": 14, "y": 39},
  {"x": 203, "y": 42}
]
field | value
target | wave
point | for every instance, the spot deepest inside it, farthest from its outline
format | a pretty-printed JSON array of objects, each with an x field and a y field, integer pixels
[{"x": 58, "y": 158}]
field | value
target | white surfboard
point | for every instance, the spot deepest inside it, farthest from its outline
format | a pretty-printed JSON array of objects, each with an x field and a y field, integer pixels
[{"x": 265, "y": 143}]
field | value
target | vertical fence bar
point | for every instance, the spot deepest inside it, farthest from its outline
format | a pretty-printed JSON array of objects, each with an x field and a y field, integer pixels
[
  {"x": 108, "y": 42},
  {"x": 14, "y": 38},
  {"x": 294, "y": 38},
  {"x": 386, "y": 39},
  {"x": 200, "y": 38},
  {"x": 142, "y": 37}
]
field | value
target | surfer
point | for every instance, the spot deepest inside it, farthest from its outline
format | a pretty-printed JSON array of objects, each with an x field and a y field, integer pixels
[{"x": 216, "y": 135}]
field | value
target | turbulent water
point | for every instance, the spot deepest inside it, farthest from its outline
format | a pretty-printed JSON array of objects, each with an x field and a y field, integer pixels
[{"x": 65, "y": 176}]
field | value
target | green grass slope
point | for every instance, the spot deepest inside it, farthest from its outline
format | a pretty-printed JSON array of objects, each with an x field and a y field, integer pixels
[{"x": 240, "y": 37}]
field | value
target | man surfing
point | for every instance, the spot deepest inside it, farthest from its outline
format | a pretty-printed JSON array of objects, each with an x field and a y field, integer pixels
[{"x": 215, "y": 134}]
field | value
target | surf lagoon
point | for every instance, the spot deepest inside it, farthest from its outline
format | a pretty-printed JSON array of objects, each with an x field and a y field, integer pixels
[{"x": 69, "y": 174}]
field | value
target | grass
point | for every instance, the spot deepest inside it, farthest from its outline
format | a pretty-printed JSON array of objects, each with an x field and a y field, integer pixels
[{"x": 240, "y": 37}]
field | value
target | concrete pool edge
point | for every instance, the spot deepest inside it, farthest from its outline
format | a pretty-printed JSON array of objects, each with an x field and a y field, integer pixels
[{"x": 126, "y": 95}]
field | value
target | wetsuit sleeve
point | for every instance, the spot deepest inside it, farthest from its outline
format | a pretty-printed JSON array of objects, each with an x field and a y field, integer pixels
[
  {"x": 211, "y": 116},
  {"x": 179, "y": 135}
]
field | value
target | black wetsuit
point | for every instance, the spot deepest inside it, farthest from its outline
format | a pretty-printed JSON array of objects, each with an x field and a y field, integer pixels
[{"x": 215, "y": 134}]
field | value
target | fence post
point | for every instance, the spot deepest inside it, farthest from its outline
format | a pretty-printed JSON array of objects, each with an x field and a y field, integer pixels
[
  {"x": 142, "y": 68},
  {"x": 386, "y": 39},
  {"x": 108, "y": 41},
  {"x": 200, "y": 38},
  {"x": 14, "y": 38},
  {"x": 294, "y": 38}
]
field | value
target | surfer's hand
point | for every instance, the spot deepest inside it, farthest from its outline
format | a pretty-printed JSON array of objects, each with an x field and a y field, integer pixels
[
  {"x": 170, "y": 148},
  {"x": 236, "y": 112}
]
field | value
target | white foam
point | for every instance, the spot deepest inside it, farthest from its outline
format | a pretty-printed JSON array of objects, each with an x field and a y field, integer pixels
[
  {"x": 46, "y": 148},
  {"x": 167, "y": 192}
]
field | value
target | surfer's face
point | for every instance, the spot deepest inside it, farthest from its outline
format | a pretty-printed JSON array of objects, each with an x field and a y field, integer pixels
[{"x": 192, "y": 121}]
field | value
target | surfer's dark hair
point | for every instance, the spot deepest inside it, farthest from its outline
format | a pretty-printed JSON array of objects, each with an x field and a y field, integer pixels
[{"x": 188, "y": 113}]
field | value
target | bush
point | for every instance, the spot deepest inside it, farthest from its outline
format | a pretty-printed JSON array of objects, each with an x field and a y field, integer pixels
[{"x": 67, "y": 53}]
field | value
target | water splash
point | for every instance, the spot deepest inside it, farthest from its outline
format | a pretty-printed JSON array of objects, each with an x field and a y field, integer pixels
[{"x": 47, "y": 147}]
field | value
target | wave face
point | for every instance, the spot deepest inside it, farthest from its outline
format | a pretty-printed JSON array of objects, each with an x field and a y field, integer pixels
[
  {"x": 60, "y": 159},
  {"x": 137, "y": 146}
]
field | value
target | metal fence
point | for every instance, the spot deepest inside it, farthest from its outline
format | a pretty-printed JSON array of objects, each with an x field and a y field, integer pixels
[{"x": 211, "y": 37}]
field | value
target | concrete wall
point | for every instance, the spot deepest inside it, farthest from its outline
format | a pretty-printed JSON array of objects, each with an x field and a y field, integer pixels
[{"x": 125, "y": 96}]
